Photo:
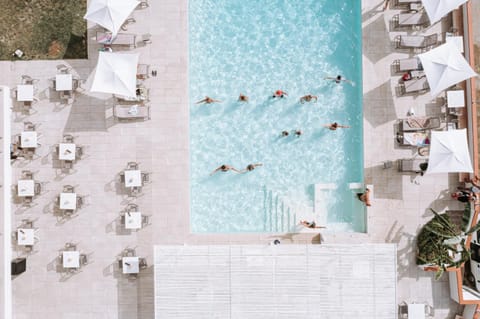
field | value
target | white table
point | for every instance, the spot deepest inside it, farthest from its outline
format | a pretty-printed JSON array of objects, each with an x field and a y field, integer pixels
[
  {"x": 25, "y": 92},
  {"x": 133, "y": 220},
  {"x": 26, "y": 188},
  {"x": 71, "y": 259},
  {"x": 130, "y": 265},
  {"x": 133, "y": 178},
  {"x": 28, "y": 139},
  {"x": 25, "y": 236},
  {"x": 457, "y": 41},
  {"x": 416, "y": 311},
  {"x": 63, "y": 82},
  {"x": 68, "y": 201},
  {"x": 66, "y": 151},
  {"x": 456, "y": 98}
]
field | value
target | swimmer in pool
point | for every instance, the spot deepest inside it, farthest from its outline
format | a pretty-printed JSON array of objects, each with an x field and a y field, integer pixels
[
  {"x": 225, "y": 168},
  {"x": 208, "y": 100},
  {"x": 308, "y": 98},
  {"x": 279, "y": 94},
  {"x": 333, "y": 126},
  {"x": 338, "y": 79},
  {"x": 251, "y": 167},
  {"x": 311, "y": 224},
  {"x": 243, "y": 98}
]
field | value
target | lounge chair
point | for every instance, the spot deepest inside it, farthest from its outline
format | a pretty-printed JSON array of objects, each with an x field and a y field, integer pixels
[
  {"x": 416, "y": 41},
  {"x": 131, "y": 112},
  {"x": 404, "y": 65},
  {"x": 404, "y": 3},
  {"x": 413, "y": 124},
  {"x": 143, "y": 71},
  {"x": 413, "y": 86},
  {"x": 415, "y": 139},
  {"x": 415, "y": 165},
  {"x": 122, "y": 39},
  {"x": 409, "y": 19}
]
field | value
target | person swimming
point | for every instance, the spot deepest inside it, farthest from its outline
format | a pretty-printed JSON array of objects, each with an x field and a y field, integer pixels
[
  {"x": 333, "y": 126},
  {"x": 208, "y": 100},
  {"x": 243, "y": 98},
  {"x": 280, "y": 94},
  {"x": 225, "y": 168},
  {"x": 251, "y": 167},
  {"x": 308, "y": 98},
  {"x": 338, "y": 79}
]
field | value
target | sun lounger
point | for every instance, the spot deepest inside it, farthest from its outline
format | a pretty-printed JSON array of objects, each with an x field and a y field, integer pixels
[
  {"x": 416, "y": 41},
  {"x": 413, "y": 124},
  {"x": 123, "y": 39},
  {"x": 410, "y": 19},
  {"x": 415, "y": 85},
  {"x": 416, "y": 139},
  {"x": 415, "y": 165},
  {"x": 410, "y": 64},
  {"x": 131, "y": 112},
  {"x": 404, "y": 3}
]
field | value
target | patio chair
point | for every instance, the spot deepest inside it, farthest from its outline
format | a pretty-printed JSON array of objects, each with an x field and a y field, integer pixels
[
  {"x": 27, "y": 201},
  {"x": 67, "y": 164},
  {"x": 120, "y": 264},
  {"x": 143, "y": 71},
  {"x": 132, "y": 165},
  {"x": 83, "y": 259},
  {"x": 28, "y": 126},
  {"x": 416, "y": 41},
  {"x": 80, "y": 201},
  {"x": 27, "y": 175},
  {"x": 143, "y": 4},
  {"x": 410, "y": 20},
  {"x": 125, "y": 24},
  {"x": 429, "y": 311},
  {"x": 145, "y": 220},
  {"x": 142, "y": 263},
  {"x": 66, "y": 95},
  {"x": 131, "y": 207},
  {"x": 135, "y": 191},
  {"x": 129, "y": 252},
  {"x": 79, "y": 151},
  {"x": 145, "y": 177},
  {"x": 68, "y": 189},
  {"x": 67, "y": 138},
  {"x": 27, "y": 223},
  {"x": 37, "y": 188},
  {"x": 412, "y": 124},
  {"x": 414, "y": 165},
  {"x": 70, "y": 246}
]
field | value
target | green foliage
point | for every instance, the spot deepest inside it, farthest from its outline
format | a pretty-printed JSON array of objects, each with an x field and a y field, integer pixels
[
  {"x": 43, "y": 29},
  {"x": 432, "y": 248}
]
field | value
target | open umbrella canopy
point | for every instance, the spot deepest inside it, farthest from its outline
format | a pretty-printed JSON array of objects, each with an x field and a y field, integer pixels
[
  {"x": 116, "y": 73},
  {"x": 110, "y": 14},
  {"x": 445, "y": 66},
  {"x": 436, "y": 9},
  {"x": 449, "y": 152}
]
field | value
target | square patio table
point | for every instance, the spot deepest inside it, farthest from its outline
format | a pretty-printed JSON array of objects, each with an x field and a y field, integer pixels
[
  {"x": 24, "y": 92},
  {"x": 26, "y": 188},
  {"x": 133, "y": 178},
  {"x": 25, "y": 236},
  {"x": 416, "y": 311},
  {"x": 66, "y": 151},
  {"x": 457, "y": 41},
  {"x": 133, "y": 220},
  {"x": 68, "y": 201},
  {"x": 456, "y": 98},
  {"x": 28, "y": 139},
  {"x": 63, "y": 82},
  {"x": 71, "y": 259},
  {"x": 130, "y": 265}
]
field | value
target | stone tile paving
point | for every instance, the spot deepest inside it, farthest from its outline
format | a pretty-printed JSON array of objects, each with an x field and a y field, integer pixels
[{"x": 161, "y": 147}]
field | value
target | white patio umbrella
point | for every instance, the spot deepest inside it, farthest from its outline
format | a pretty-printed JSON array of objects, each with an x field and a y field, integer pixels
[
  {"x": 445, "y": 66},
  {"x": 110, "y": 14},
  {"x": 437, "y": 9},
  {"x": 116, "y": 73},
  {"x": 449, "y": 152}
]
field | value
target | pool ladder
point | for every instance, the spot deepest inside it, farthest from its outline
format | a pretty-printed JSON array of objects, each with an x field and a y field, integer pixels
[{"x": 278, "y": 216}]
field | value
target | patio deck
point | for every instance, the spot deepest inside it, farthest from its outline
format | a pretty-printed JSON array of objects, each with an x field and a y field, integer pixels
[{"x": 400, "y": 206}]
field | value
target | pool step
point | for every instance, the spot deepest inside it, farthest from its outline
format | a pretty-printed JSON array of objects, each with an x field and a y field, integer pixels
[{"x": 322, "y": 192}]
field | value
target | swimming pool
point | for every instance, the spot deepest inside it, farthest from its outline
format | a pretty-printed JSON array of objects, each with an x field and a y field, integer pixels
[{"x": 255, "y": 48}]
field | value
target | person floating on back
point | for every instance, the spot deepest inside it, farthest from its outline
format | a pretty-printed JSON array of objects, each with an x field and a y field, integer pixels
[
  {"x": 338, "y": 79},
  {"x": 308, "y": 98},
  {"x": 225, "y": 168},
  {"x": 208, "y": 100},
  {"x": 279, "y": 94},
  {"x": 333, "y": 126},
  {"x": 310, "y": 224},
  {"x": 243, "y": 98}
]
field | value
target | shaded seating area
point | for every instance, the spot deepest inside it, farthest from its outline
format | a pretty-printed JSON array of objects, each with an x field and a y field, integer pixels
[
  {"x": 416, "y": 41},
  {"x": 133, "y": 179},
  {"x": 410, "y": 20}
]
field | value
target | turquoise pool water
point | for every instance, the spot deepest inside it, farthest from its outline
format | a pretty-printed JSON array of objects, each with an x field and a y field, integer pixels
[{"x": 255, "y": 47}]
